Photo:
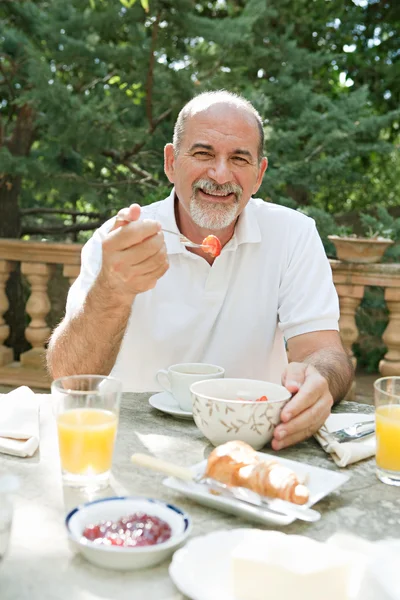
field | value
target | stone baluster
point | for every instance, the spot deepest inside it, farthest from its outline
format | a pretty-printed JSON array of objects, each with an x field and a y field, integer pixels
[
  {"x": 71, "y": 272},
  {"x": 390, "y": 364},
  {"x": 37, "y": 307},
  {"x": 350, "y": 297},
  {"x": 6, "y": 354}
]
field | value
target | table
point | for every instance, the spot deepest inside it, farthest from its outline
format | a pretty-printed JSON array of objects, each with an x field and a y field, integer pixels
[{"x": 40, "y": 565}]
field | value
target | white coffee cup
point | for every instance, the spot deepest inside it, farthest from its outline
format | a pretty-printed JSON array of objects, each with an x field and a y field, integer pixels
[{"x": 177, "y": 380}]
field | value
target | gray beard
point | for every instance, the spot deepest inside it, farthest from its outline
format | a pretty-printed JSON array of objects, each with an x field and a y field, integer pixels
[{"x": 215, "y": 215}]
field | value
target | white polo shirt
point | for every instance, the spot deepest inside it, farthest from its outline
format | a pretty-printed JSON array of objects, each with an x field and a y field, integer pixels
[{"x": 272, "y": 281}]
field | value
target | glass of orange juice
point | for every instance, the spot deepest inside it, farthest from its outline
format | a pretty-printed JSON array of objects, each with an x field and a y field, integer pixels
[
  {"x": 87, "y": 410},
  {"x": 387, "y": 420}
]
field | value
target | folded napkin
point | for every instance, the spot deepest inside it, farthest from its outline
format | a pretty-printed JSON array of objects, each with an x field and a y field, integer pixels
[
  {"x": 348, "y": 452},
  {"x": 19, "y": 422}
]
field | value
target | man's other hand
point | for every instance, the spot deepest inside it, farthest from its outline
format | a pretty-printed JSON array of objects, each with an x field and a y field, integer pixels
[{"x": 308, "y": 408}]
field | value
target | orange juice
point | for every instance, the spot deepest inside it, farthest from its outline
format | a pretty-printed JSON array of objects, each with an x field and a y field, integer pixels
[
  {"x": 86, "y": 440},
  {"x": 388, "y": 437}
]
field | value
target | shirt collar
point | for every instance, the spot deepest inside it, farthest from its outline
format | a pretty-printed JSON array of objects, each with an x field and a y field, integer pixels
[{"x": 247, "y": 230}]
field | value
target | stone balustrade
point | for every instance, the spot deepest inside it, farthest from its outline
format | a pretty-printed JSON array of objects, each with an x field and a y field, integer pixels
[
  {"x": 38, "y": 260},
  {"x": 350, "y": 281}
]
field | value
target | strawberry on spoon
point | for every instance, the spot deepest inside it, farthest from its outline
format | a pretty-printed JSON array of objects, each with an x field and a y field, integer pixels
[{"x": 211, "y": 245}]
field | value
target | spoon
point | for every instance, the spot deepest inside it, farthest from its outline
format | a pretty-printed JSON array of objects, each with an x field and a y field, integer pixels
[{"x": 210, "y": 244}]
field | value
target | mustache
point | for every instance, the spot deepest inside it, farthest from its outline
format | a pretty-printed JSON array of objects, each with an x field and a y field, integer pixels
[{"x": 214, "y": 188}]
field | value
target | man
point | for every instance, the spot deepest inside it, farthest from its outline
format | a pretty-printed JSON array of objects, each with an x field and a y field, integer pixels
[{"x": 142, "y": 303}]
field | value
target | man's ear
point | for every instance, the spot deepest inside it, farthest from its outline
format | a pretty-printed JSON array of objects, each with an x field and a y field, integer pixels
[
  {"x": 263, "y": 167},
  {"x": 169, "y": 162}
]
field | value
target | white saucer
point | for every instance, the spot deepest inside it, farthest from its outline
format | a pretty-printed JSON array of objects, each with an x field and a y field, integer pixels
[{"x": 165, "y": 402}]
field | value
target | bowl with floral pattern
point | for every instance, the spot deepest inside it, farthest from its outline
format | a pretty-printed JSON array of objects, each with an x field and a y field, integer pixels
[{"x": 238, "y": 409}]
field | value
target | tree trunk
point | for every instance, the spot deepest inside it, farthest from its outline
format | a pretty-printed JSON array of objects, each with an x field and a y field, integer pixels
[
  {"x": 298, "y": 193},
  {"x": 10, "y": 227},
  {"x": 10, "y": 219}
]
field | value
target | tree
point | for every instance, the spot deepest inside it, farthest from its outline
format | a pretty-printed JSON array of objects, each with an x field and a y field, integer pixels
[
  {"x": 321, "y": 133},
  {"x": 84, "y": 98},
  {"x": 368, "y": 37}
]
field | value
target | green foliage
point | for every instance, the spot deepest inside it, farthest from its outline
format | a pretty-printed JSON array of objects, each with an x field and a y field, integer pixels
[
  {"x": 99, "y": 119},
  {"x": 344, "y": 231},
  {"x": 106, "y": 81},
  {"x": 383, "y": 225},
  {"x": 321, "y": 135},
  {"x": 100, "y": 75},
  {"x": 129, "y": 3},
  {"x": 154, "y": 196}
]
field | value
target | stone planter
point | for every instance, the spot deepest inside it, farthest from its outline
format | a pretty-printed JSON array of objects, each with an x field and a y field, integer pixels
[{"x": 360, "y": 250}]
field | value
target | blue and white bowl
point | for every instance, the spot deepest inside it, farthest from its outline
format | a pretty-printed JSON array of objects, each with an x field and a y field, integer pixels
[{"x": 125, "y": 558}]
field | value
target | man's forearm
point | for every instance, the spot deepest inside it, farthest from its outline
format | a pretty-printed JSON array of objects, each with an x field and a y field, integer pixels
[
  {"x": 90, "y": 341},
  {"x": 335, "y": 365}
]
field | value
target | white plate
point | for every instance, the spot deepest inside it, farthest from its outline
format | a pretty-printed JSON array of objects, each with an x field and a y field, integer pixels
[
  {"x": 167, "y": 404},
  {"x": 320, "y": 482},
  {"x": 211, "y": 555},
  {"x": 202, "y": 569}
]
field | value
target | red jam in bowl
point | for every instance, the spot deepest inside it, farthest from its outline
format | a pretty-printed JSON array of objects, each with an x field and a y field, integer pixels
[{"x": 134, "y": 531}]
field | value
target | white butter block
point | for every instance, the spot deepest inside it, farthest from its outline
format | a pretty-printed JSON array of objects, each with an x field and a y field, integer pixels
[{"x": 269, "y": 565}]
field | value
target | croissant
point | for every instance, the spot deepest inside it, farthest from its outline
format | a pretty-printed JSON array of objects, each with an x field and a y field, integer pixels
[{"x": 236, "y": 463}]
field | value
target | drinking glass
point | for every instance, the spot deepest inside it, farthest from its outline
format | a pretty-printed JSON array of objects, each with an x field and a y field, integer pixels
[
  {"x": 387, "y": 417},
  {"x": 87, "y": 411}
]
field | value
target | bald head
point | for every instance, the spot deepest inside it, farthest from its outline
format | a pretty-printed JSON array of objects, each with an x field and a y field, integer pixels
[{"x": 207, "y": 100}]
